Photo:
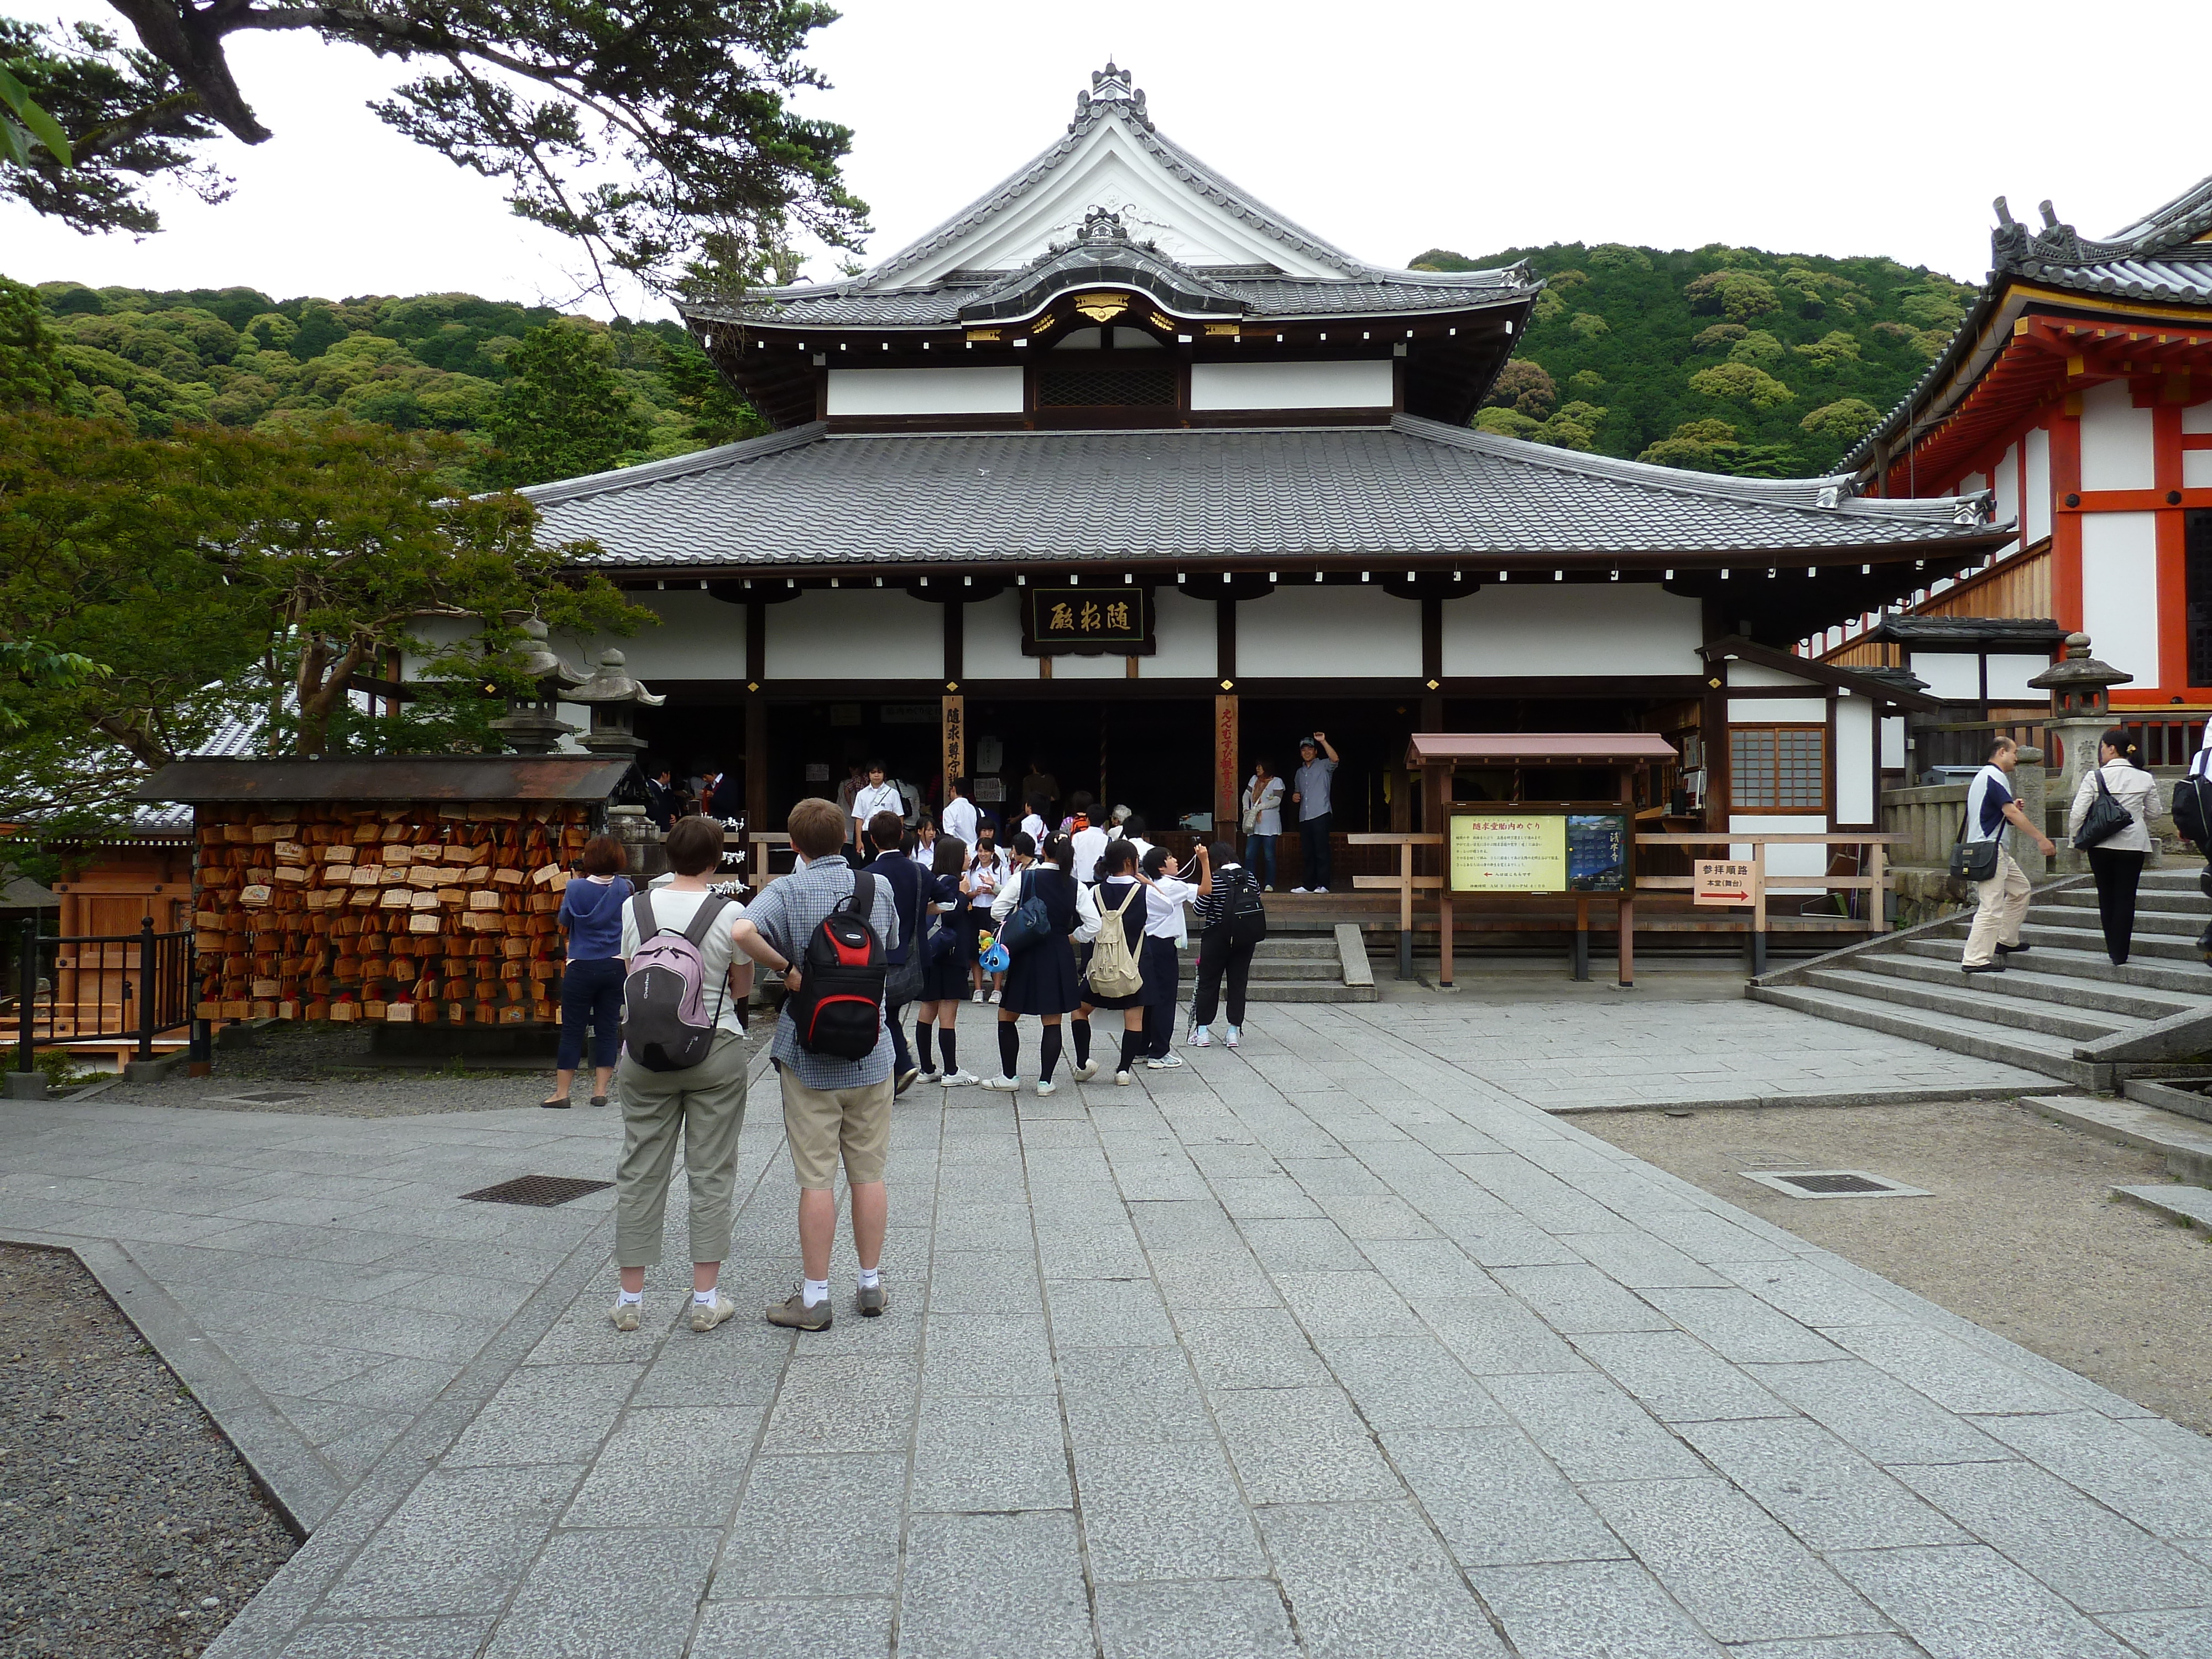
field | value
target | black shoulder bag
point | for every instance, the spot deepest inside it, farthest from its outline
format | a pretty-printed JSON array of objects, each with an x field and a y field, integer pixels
[
  {"x": 1975, "y": 861},
  {"x": 2105, "y": 817}
]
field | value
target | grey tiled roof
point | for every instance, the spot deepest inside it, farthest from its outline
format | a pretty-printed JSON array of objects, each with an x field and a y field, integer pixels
[
  {"x": 2158, "y": 258},
  {"x": 804, "y": 499}
]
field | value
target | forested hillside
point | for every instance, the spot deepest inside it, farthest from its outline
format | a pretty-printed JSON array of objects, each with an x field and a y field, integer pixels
[
  {"x": 1724, "y": 360},
  {"x": 531, "y": 393}
]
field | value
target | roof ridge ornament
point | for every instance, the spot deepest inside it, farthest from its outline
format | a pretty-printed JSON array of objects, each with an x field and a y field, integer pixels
[
  {"x": 2058, "y": 244},
  {"x": 1111, "y": 85},
  {"x": 1103, "y": 224}
]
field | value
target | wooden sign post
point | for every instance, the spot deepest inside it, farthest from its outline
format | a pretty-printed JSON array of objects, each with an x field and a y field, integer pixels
[{"x": 1227, "y": 785}]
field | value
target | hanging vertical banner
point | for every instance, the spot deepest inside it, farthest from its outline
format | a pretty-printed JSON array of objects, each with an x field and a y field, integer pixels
[
  {"x": 956, "y": 740},
  {"x": 1227, "y": 786}
]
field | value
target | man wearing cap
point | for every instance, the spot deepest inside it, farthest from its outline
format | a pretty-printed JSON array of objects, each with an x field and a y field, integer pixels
[{"x": 1310, "y": 793}]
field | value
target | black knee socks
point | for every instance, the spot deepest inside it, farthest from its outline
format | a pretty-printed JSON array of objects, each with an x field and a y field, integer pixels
[
  {"x": 921, "y": 1030},
  {"x": 1082, "y": 1041},
  {"x": 1131, "y": 1041},
  {"x": 944, "y": 1041},
  {"x": 1051, "y": 1052},
  {"x": 1010, "y": 1046}
]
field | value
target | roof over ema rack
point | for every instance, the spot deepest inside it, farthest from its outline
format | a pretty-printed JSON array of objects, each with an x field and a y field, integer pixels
[
  {"x": 367, "y": 779},
  {"x": 1537, "y": 749}
]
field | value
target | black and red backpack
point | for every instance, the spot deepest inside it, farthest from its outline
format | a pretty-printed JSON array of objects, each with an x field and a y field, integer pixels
[{"x": 839, "y": 1005}]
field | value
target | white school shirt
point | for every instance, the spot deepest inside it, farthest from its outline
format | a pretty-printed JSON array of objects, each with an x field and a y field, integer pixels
[
  {"x": 1086, "y": 903},
  {"x": 1033, "y": 827},
  {"x": 874, "y": 798},
  {"x": 958, "y": 819},
  {"x": 1163, "y": 902},
  {"x": 1089, "y": 844}
]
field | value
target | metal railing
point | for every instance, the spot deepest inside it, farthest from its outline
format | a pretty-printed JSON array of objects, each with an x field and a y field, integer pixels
[{"x": 95, "y": 988}]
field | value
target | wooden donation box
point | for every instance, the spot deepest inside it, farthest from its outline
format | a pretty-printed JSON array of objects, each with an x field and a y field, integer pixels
[
  {"x": 1522, "y": 847},
  {"x": 411, "y": 890}
]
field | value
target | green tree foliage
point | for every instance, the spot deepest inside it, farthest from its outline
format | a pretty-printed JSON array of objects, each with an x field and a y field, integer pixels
[
  {"x": 30, "y": 370},
  {"x": 1846, "y": 420},
  {"x": 431, "y": 363},
  {"x": 1523, "y": 387},
  {"x": 222, "y": 575},
  {"x": 657, "y": 133},
  {"x": 1789, "y": 333},
  {"x": 563, "y": 411}
]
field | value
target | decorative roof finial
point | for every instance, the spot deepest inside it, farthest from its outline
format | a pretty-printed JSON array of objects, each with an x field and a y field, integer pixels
[{"x": 1103, "y": 225}]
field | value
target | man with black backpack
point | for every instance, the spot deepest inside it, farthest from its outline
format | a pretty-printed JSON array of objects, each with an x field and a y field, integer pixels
[
  {"x": 828, "y": 930},
  {"x": 682, "y": 1071}
]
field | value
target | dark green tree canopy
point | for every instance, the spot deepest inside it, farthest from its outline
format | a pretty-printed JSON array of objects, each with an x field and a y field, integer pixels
[
  {"x": 657, "y": 134},
  {"x": 563, "y": 411}
]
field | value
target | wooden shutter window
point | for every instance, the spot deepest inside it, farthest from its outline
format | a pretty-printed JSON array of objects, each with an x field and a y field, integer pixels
[{"x": 1778, "y": 768}]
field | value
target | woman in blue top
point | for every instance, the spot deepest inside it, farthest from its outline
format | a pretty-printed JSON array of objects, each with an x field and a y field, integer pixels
[{"x": 592, "y": 980}]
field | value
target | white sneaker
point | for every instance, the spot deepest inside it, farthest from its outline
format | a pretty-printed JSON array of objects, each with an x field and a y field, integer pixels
[
  {"x": 1200, "y": 1038},
  {"x": 1230, "y": 1036},
  {"x": 1297, "y": 890},
  {"x": 978, "y": 999},
  {"x": 1123, "y": 1079},
  {"x": 1086, "y": 1072},
  {"x": 958, "y": 1080},
  {"x": 1165, "y": 1063},
  {"x": 1044, "y": 1088},
  {"x": 1004, "y": 1086},
  {"x": 996, "y": 996},
  {"x": 931, "y": 1076},
  {"x": 1320, "y": 890}
]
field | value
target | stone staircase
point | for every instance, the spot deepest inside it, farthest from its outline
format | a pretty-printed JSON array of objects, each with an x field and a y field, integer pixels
[
  {"x": 2062, "y": 993},
  {"x": 1302, "y": 966}
]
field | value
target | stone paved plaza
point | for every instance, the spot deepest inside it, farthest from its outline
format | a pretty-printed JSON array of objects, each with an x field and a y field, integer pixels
[{"x": 1339, "y": 1345}]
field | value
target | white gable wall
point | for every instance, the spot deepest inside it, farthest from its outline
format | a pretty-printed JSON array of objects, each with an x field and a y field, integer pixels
[
  {"x": 925, "y": 391},
  {"x": 1319, "y": 632},
  {"x": 1109, "y": 170},
  {"x": 2119, "y": 587},
  {"x": 853, "y": 634},
  {"x": 1292, "y": 386}
]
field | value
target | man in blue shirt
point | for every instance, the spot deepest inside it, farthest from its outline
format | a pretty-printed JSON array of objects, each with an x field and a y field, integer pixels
[
  {"x": 2001, "y": 903},
  {"x": 1310, "y": 793}
]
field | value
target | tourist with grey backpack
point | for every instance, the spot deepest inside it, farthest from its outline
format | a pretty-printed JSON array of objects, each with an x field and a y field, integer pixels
[{"x": 682, "y": 1072}]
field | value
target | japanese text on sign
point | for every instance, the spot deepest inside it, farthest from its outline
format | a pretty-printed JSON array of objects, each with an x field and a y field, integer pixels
[
  {"x": 1089, "y": 619},
  {"x": 1722, "y": 881},
  {"x": 1509, "y": 851}
]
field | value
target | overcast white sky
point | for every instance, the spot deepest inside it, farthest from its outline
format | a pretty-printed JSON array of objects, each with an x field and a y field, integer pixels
[{"x": 1870, "y": 128}]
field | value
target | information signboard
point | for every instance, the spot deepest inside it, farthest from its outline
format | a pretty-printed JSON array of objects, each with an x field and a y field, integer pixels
[
  {"x": 1722, "y": 881},
  {"x": 1599, "y": 848},
  {"x": 1508, "y": 851}
]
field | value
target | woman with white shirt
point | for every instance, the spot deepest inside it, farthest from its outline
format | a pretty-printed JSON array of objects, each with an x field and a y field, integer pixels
[
  {"x": 2117, "y": 860},
  {"x": 1262, "y": 821},
  {"x": 1164, "y": 896}
]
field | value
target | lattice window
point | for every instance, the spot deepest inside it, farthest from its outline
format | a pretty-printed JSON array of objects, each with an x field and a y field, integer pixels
[
  {"x": 1151, "y": 385},
  {"x": 1778, "y": 768}
]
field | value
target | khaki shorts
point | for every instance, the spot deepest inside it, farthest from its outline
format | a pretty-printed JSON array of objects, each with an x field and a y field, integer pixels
[{"x": 823, "y": 1123}]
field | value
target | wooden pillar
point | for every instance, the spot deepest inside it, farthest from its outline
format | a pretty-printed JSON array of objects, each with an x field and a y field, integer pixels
[
  {"x": 1628, "y": 935},
  {"x": 759, "y": 814},
  {"x": 1224, "y": 642},
  {"x": 1227, "y": 785},
  {"x": 956, "y": 644}
]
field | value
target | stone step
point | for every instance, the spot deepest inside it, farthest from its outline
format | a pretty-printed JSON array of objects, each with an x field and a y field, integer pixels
[
  {"x": 2033, "y": 1051},
  {"x": 1970, "y": 998},
  {"x": 1292, "y": 991},
  {"x": 1290, "y": 972},
  {"x": 2189, "y": 1205},
  {"x": 1297, "y": 947},
  {"x": 2088, "y": 963},
  {"x": 2168, "y": 1096},
  {"x": 2184, "y": 1143},
  {"x": 2164, "y": 947},
  {"x": 2072, "y": 913},
  {"x": 2034, "y": 976}
]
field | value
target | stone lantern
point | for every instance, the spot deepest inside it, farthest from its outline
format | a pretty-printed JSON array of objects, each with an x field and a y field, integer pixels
[
  {"x": 533, "y": 724},
  {"x": 614, "y": 699},
  {"x": 2081, "y": 690}
]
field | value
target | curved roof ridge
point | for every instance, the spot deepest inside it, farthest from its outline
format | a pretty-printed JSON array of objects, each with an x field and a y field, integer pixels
[
  {"x": 673, "y": 466},
  {"x": 1801, "y": 494}
]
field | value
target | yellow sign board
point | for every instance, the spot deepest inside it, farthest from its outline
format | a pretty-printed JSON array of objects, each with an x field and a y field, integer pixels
[{"x": 1509, "y": 851}]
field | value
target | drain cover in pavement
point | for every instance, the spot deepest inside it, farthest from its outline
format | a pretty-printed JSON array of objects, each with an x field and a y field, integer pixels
[
  {"x": 267, "y": 1097},
  {"x": 1831, "y": 1183},
  {"x": 544, "y": 1191}
]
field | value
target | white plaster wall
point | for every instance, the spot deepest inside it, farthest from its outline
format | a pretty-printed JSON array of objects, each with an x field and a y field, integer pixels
[
  {"x": 2005, "y": 479},
  {"x": 1892, "y": 743},
  {"x": 1758, "y": 675},
  {"x": 925, "y": 391},
  {"x": 697, "y": 638},
  {"x": 1854, "y": 742},
  {"x": 2011, "y": 672},
  {"x": 1777, "y": 711},
  {"x": 2116, "y": 440},
  {"x": 2119, "y": 591},
  {"x": 991, "y": 639},
  {"x": 2198, "y": 417},
  {"x": 1949, "y": 674},
  {"x": 2035, "y": 486},
  {"x": 1317, "y": 632},
  {"x": 1558, "y": 629},
  {"x": 1810, "y": 859},
  {"x": 2196, "y": 469},
  {"x": 1291, "y": 385},
  {"x": 1186, "y": 646},
  {"x": 853, "y": 634},
  {"x": 1087, "y": 668}
]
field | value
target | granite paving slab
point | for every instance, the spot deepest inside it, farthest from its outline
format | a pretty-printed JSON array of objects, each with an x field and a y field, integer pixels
[{"x": 1345, "y": 1343}]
